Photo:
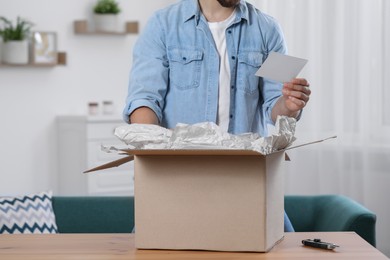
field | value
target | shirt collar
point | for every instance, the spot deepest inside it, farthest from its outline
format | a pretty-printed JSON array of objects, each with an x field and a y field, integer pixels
[{"x": 192, "y": 10}]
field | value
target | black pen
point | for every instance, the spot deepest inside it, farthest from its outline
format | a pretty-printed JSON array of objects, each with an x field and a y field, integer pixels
[{"x": 319, "y": 244}]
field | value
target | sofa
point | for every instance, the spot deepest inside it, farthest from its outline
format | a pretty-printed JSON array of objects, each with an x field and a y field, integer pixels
[
  {"x": 330, "y": 213},
  {"x": 92, "y": 214}
]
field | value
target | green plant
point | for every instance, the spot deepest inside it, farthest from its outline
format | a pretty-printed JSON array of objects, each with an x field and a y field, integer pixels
[
  {"x": 106, "y": 7},
  {"x": 19, "y": 32}
]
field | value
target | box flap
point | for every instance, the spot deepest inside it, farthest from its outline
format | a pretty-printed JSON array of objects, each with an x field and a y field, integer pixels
[
  {"x": 309, "y": 143},
  {"x": 130, "y": 153},
  {"x": 112, "y": 164},
  {"x": 161, "y": 152}
]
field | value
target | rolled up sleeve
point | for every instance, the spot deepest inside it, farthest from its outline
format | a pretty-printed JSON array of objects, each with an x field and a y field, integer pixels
[{"x": 148, "y": 81}]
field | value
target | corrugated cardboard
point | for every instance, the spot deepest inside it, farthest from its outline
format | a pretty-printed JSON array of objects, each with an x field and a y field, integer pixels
[
  {"x": 223, "y": 200},
  {"x": 227, "y": 202}
]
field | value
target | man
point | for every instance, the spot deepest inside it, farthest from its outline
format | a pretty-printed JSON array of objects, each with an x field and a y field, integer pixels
[{"x": 196, "y": 61}]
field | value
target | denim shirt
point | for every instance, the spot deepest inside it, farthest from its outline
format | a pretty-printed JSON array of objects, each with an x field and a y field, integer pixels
[{"x": 176, "y": 68}]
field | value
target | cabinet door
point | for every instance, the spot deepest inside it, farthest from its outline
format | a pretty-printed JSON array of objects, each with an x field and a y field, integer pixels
[
  {"x": 79, "y": 149},
  {"x": 113, "y": 181}
]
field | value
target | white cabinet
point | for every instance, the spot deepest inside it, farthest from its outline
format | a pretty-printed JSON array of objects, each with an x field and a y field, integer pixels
[{"x": 79, "y": 148}]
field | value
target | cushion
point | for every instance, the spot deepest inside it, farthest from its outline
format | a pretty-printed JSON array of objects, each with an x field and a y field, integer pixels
[{"x": 29, "y": 214}]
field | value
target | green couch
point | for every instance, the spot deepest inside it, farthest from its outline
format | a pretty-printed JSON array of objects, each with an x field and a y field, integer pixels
[
  {"x": 307, "y": 213},
  {"x": 330, "y": 213},
  {"x": 94, "y": 214}
]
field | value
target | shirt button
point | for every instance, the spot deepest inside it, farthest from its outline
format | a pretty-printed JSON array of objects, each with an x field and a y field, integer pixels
[
  {"x": 233, "y": 57},
  {"x": 231, "y": 116},
  {"x": 229, "y": 31},
  {"x": 232, "y": 87},
  {"x": 184, "y": 58}
]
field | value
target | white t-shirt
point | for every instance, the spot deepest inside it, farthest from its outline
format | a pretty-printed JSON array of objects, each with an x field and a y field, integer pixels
[{"x": 218, "y": 30}]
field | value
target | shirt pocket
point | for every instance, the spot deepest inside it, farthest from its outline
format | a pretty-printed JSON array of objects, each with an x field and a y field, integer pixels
[
  {"x": 184, "y": 67},
  {"x": 248, "y": 63}
]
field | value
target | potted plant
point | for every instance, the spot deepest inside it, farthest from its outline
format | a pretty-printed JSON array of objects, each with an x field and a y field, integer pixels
[
  {"x": 15, "y": 40},
  {"x": 106, "y": 15}
]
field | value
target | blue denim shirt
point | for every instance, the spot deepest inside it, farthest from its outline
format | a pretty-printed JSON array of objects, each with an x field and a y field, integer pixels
[{"x": 176, "y": 68}]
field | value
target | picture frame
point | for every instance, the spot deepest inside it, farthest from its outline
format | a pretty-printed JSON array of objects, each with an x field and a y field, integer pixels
[{"x": 44, "y": 48}]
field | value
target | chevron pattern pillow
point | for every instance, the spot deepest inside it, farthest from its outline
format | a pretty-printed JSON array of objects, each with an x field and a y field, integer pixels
[{"x": 31, "y": 214}]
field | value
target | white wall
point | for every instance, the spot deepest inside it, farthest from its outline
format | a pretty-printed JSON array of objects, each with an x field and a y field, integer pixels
[
  {"x": 31, "y": 98},
  {"x": 345, "y": 42}
]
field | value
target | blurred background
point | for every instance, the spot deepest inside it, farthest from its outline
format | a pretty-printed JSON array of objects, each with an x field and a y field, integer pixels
[{"x": 347, "y": 44}]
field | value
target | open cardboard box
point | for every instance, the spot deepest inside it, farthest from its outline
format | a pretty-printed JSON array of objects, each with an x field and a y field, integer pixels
[{"x": 222, "y": 200}]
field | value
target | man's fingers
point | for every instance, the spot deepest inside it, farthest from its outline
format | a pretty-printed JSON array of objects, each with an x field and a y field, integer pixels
[
  {"x": 298, "y": 95},
  {"x": 300, "y": 81},
  {"x": 299, "y": 103},
  {"x": 302, "y": 92},
  {"x": 293, "y": 87}
]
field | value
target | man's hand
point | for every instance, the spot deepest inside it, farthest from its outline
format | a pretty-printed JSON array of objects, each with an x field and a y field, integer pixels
[{"x": 296, "y": 94}]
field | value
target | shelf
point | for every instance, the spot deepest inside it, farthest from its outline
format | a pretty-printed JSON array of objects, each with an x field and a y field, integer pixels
[
  {"x": 81, "y": 27},
  {"x": 61, "y": 60}
]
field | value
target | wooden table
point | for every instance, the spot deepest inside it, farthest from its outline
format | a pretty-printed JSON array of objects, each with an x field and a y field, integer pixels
[{"x": 121, "y": 246}]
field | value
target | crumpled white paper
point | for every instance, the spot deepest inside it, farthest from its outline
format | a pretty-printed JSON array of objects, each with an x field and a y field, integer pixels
[
  {"x": 205, "y": 135},
  {"x": 142, "y": 135}
]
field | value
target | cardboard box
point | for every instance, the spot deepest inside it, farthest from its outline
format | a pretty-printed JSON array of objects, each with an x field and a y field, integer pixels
[{"x": 223, "y": 200}]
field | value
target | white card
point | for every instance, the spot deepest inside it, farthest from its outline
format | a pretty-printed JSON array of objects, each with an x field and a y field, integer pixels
[{"x": 280, "y": 67}]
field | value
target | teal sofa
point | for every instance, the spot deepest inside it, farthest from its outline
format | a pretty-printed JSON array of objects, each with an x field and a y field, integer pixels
[
  {"x": 307, "y": 213},
  {"x": 330, "y": 213},
  {"x": 91, "y": 214}
]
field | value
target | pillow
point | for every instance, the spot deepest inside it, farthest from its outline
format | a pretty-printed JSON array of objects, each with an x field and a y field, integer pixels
[{"x": 30, "y": 214}]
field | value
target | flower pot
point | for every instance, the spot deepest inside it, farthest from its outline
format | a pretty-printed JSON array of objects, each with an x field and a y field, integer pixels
[
  {"x": 106, "y": 22},
  {"x": 15, "y": 52}
]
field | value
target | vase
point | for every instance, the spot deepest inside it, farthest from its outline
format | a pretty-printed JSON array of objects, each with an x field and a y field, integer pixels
[
  {"x": 15, "y": 52},
  {"x": 106, "y": 22}
]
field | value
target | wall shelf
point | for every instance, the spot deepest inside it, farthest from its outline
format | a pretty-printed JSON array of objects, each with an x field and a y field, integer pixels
[
  {"x": 61, "y": 60},
  {"x": 81, "y": 27}
]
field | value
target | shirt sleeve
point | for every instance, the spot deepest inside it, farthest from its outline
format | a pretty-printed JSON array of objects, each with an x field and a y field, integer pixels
[
  {"x": 272, "y": 90},
  {"x": 149, "y": 74}
]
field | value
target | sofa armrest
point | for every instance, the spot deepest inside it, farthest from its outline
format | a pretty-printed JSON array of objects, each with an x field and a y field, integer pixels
[
  {"x": 85, "y": 214},
  {"x": 331, "y": 213}
]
